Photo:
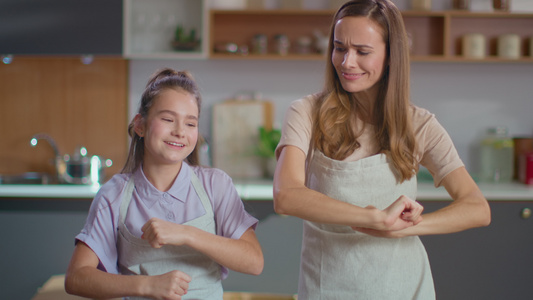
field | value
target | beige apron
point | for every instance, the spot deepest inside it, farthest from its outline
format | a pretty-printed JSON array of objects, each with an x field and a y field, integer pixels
[
  {"x": 137, "y": 257},
  {"x": 339, "y": 263}
]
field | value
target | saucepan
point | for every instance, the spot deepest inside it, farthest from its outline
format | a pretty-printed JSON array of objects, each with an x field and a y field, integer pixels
[{"x": 78, "y": 168}]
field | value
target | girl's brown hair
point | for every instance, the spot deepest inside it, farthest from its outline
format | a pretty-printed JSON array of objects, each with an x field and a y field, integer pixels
[
  {"x": 159, "y": 81},
  {"x": 334, "y": 132}
]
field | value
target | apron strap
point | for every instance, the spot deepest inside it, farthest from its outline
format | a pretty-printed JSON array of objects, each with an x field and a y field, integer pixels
[
  {"x": 126, "y": 199},
  {"x": 202, "y": 194}
]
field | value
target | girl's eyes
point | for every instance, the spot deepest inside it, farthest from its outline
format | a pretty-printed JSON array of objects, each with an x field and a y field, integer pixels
[{"x": 167, "y": 119}]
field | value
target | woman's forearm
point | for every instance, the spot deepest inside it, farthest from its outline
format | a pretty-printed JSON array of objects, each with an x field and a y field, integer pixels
[{"x": 313, "y": 206}]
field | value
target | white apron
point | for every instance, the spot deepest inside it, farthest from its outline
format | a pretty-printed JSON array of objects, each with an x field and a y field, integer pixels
[
  {"x": 137, "y": 257},
  {"x": 340, "y": 263}
]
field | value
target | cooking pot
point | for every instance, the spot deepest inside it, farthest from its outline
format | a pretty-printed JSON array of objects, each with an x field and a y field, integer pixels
[
  {"x": 78, "y": 168},
  {"x": 81, "y": 168}
]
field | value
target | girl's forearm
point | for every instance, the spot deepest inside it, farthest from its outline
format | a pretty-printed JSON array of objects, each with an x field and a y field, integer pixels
[
  {"x": 92, "y": 283},
  {"x": 242, "y": 255}
]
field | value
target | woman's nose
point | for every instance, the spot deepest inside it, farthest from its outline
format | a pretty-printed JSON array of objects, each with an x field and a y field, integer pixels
[{"x": 350, "y": 59}]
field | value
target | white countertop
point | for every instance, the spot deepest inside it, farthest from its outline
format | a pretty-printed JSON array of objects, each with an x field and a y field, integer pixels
[{"x": 262, "y": 190}]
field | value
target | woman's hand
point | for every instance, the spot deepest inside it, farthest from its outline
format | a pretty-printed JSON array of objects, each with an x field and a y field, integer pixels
[
  {"x": 159, "y": 232},
  {"x": 168, "y": 286},
  {"x": 401, "y": 214}
]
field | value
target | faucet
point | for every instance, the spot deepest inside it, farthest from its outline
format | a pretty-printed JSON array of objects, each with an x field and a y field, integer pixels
[
  {"x": 49, "y": 139},
  {"x": 58, "y": 161}
]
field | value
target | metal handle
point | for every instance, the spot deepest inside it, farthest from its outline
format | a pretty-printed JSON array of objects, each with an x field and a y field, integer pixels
[{"x": 525, "y": 213}]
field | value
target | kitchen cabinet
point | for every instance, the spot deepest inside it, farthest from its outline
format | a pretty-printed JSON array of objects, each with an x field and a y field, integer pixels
[
  {"x": 61, "y": 27},
  {"x": 435, "y": 36},
  {"x": 150, "y": 27},
  {"x": 492, "y": 262},
  {"x": 76, "y": 104}
]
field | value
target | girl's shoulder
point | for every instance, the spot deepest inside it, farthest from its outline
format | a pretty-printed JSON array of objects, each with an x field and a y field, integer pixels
[
  {"x": 210, "y": 174},
  {"x": 111, "y": 191}
]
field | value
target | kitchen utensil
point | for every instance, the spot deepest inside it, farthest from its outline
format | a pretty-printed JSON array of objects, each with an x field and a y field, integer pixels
[
  {"x": 235, "y": 136},
  {"x": 80, "y": 168}
]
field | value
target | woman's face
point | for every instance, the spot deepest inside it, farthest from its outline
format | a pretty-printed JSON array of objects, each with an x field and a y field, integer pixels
[
  {"x": 170, "y": 130},
  {"x": 359, "y": 53}
]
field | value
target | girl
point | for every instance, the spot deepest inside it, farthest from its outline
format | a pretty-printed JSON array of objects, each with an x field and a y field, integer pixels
[
  {"x": 174, "y": 224},
  {"x": 347, "y": 164}
]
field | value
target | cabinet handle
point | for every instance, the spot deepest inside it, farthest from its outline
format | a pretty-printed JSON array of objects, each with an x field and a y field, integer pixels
[{"x": 526, "y": 213}]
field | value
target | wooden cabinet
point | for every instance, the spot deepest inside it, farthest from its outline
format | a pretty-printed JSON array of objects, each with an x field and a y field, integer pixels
[
  {"x": 61, "y": 27},
  {"x": 150, "y": 27},
  {"x": 493, "y": 262},
  {"x": 76, "y": 104},
  {"x": 436, "y": 36}
]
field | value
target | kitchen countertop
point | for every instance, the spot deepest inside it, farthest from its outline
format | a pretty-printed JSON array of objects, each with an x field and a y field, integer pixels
[{"x": 250, "y": 190}]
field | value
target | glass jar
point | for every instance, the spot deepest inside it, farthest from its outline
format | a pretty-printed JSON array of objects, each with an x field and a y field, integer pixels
[{"x": 497, "y": 156}]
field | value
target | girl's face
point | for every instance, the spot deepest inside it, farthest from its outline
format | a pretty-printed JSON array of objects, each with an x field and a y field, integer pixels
[
  {"x": 359, "y": 53},
  {"x": 170, "y": 130}
]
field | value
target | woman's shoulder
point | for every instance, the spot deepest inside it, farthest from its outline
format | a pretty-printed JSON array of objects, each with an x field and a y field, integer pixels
[
  {"x": 306, "y": 102},
  {"x": 421, "y": 117}
]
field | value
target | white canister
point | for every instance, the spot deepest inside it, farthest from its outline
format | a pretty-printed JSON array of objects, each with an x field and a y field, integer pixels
[
  {"x": 509, "y": 46},
  {"x": 474, "y": 46}
]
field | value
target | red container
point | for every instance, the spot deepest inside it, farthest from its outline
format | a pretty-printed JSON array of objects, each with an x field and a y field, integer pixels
[{"x": 525, "y": 168}]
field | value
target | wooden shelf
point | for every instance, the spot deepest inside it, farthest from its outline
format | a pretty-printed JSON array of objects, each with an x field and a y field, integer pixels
[
  {"x": 149, "y": 28},
  {"x": 436, "y": 35}
]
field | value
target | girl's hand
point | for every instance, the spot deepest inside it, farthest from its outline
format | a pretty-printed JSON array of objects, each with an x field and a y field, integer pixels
[
  {"x": 168, "y": 286},
  {"x": 159, "y": 232},
  {"x": 401, "y": 214}
]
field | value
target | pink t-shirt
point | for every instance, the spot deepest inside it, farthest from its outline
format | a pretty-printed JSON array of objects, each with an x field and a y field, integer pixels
[
  {"x": 435, "y": 151},
  {"x": 179, "y": 204}
]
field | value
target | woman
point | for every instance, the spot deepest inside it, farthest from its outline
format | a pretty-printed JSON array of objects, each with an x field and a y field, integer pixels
[
  {"x": 347, "y": 164},
  {"x": 176, "y": 225}
]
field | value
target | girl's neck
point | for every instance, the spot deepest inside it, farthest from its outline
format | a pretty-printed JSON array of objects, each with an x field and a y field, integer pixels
[{"x": 162, "y": 177}]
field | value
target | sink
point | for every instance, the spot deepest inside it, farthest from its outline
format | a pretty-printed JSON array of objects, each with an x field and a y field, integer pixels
[{"x": 27, "y": 178}]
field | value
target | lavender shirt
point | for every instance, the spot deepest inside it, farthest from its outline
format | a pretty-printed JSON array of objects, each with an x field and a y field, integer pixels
[{"x": 179, "y": 204}]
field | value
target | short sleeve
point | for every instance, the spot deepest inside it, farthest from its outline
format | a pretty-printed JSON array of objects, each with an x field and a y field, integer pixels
[
  {"x": 232, "y": 219},
  {"x": 297, "y": 125},
  {"x": 100, "y": 230},
  {"x": 436, "y": 150}
]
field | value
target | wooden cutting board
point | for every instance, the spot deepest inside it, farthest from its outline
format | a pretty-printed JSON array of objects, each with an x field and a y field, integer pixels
[{"x": 236, "y": 134}]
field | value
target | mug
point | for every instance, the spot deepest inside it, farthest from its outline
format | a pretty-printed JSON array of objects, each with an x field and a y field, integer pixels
[
  {"x": 474, "y": 46},
  {"x": 509, "y": 46}
]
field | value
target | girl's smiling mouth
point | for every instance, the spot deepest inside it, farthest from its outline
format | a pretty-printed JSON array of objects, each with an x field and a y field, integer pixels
[{"x": 175, "y": 144}]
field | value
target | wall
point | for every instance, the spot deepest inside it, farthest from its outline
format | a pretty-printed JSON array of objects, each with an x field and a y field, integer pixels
[
  {"x": 72, "y": 102},
  {"x": 466, "y": 97}
]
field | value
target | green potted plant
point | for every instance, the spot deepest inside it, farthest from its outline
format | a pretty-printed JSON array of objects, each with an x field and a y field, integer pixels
[{"x": 266, "y": 148}]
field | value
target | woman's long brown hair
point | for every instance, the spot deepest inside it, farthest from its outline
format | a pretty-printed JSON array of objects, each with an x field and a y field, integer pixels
[
  {"x": 335, "y": 132},
  {"x": 159, "y": 81}
]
